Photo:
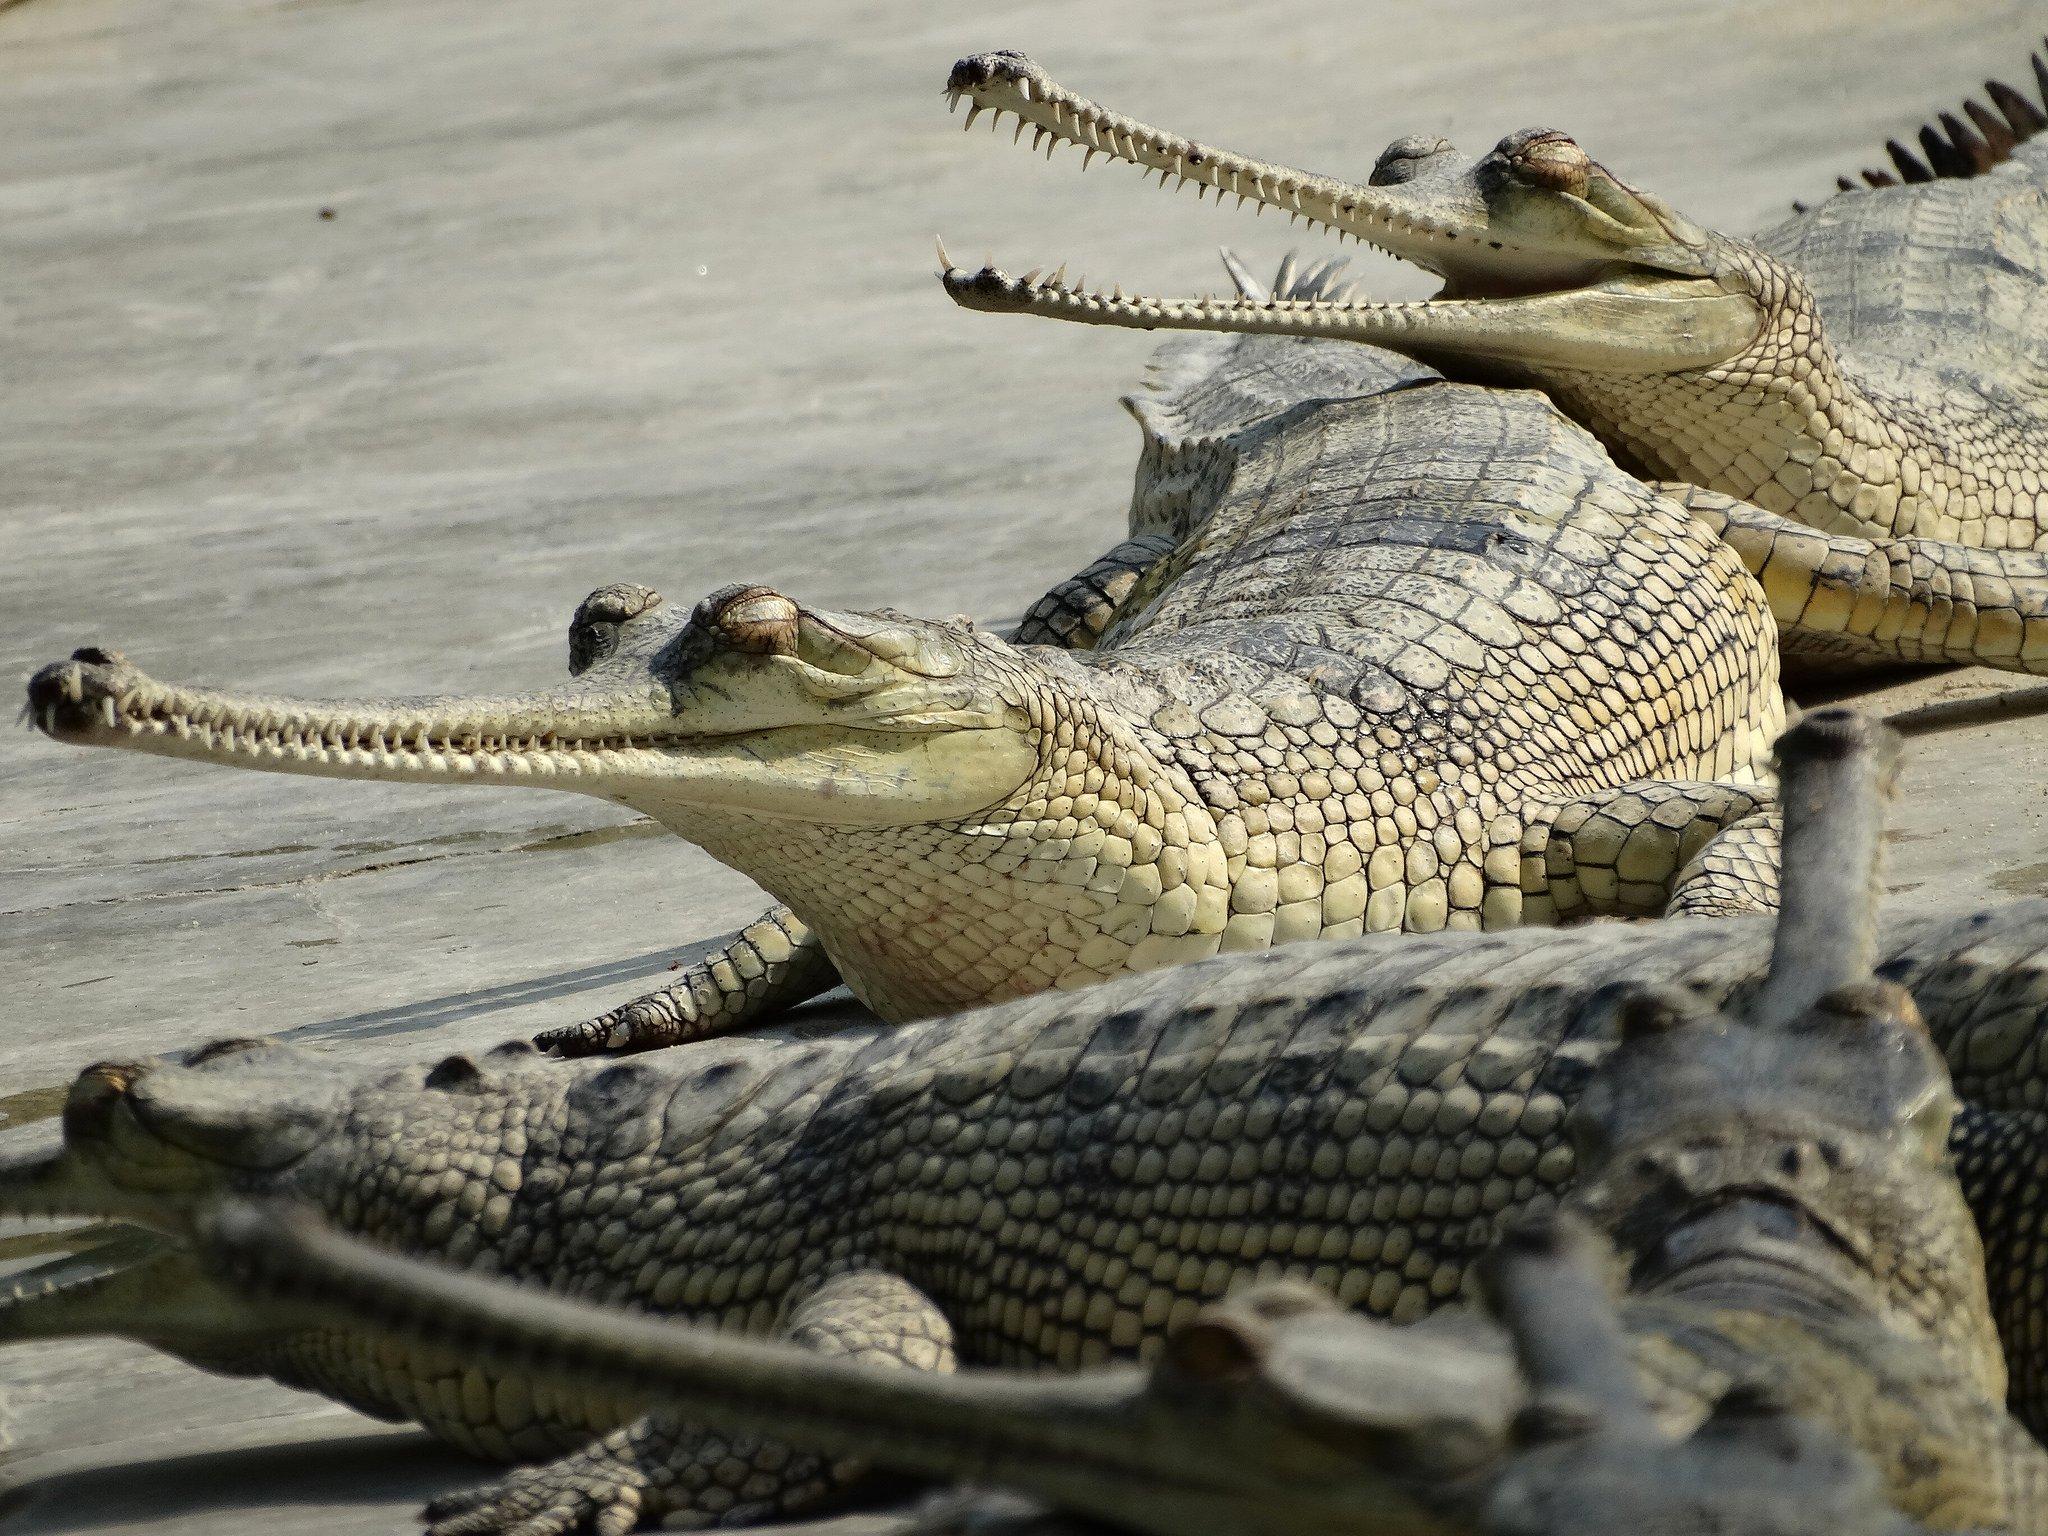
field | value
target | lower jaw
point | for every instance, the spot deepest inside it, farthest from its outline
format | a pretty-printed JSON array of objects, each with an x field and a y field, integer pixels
[{"x": 422, "y": 766}]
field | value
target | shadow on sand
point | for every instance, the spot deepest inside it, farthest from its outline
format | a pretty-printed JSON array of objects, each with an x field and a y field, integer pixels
[{"x": 402, "y": 1469}]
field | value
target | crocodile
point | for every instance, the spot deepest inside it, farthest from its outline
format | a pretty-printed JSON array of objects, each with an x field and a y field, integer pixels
[
  {"x": 1363, "y": 1115},
  {"x": 1775, "y": 1189},
  {"x": 1857, "y": 384},
  {"x": 1420, "y": 658}
]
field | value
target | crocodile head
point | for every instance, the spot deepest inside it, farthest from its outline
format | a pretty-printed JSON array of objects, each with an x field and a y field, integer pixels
[
  {"x": 749, "y": 702},
  {"x": 149, "y": 1146},
  {"x": 827, "y": 755},
  {"x": 1548, "y": 261},
  {"x": 1732, "y": 1162},
  {"x": 420, "y": 1158}
]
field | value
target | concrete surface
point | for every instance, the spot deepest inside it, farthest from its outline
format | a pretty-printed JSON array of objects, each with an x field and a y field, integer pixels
[{"x": 641, "y": 291}]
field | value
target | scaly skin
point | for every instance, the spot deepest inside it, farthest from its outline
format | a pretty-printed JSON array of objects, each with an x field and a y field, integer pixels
[
  {"x": 1064, "y": 1180},
  {"x": 1420, "y": 658},
  {"x": 1775, "y": 1181},
  {"x": 1865, "y": 369}
]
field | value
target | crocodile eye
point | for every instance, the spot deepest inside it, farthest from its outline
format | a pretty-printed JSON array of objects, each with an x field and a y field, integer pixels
[
  {"x": 1548, "y": 159},
  {"x": 1404, "y": 159},
  {"x": 594, "y": 631}
]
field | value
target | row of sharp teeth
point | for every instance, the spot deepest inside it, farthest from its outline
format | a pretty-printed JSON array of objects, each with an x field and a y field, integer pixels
[
  {"x": 220, "y": 728},
  {"x": 21, "y": 1294},
  {"x": 1039, "y": 286},
  {"x": 1096, "y": 132},
  {"x": 1092, "y": 136}
]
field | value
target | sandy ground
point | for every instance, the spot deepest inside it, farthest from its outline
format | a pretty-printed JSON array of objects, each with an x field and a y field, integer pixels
[{"x": 350, "y": 344}]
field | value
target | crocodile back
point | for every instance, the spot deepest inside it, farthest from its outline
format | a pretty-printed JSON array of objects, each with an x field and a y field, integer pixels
[
  {"x": 1944, "y": 281},
  {"x": 1468, "y": 569}
]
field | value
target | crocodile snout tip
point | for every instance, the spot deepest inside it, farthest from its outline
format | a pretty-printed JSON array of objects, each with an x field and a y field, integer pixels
[
  {"x": 65, "y": 696},
  {"x": 997, "y": 64}
]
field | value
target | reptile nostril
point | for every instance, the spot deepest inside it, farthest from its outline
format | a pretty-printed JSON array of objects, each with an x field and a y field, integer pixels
[
  {"x": 99, "y": 656},
  {"x": 1804, "y": 1162}
]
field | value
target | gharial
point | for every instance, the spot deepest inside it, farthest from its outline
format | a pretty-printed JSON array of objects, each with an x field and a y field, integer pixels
[
  {"x": 1273, "y": 1411},
  {"x": 1419, "y": 657},
  {"x": 1073, "y": 1178},
  {"x": 1777, "y": 1205},
  {"x": 1057, "y": 1180},
  {"x": 1856, "y": 389}
]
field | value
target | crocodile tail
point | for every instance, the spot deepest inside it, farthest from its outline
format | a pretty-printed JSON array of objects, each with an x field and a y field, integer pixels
[{"x": 1955, "y": 145}]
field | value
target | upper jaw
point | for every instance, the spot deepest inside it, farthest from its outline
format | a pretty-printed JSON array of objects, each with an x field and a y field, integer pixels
[
  {"x": 754, "y": 703},
  {"x": 99, "y": 698},
  {"x": 1624, "y": 287}
]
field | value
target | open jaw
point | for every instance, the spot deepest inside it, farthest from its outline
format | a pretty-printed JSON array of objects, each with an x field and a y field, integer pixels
[
  {"x": 753, "y": 704},
  {"x": 130, "y": 1272},
  {"x": 1547, "y": 259}
]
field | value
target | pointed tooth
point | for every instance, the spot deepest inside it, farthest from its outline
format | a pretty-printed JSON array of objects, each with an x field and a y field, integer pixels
[
  {"x": 1019, "y": 134},
  {"x": 973, "y": 111},
  {"x": 1039, "y": 134},
  {"x": 945, "y": 261},
  {"x": 1088, "y": 153}
]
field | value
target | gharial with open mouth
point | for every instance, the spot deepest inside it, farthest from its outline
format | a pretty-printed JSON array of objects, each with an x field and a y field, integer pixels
[{"x": 1866, "y": 368}]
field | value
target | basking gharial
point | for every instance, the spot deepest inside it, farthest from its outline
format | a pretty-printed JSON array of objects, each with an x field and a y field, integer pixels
[
  {"x": 1867, "y": 369},
  {"x": 1056, "y": 1181},
  {"x": 1420, "y": 657},
  {"x": 1775, "y": 1183}
]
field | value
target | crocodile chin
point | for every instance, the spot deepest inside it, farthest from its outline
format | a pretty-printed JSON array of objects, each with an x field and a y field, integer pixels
[{"x": 1548, "y": 260}]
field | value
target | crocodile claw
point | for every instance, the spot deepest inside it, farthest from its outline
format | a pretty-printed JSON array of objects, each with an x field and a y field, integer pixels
[{"x": 597, "y": 1490}]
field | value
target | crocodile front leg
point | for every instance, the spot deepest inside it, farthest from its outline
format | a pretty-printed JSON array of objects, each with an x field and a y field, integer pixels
[
  {"x": 1656, "y": 847},
  {"x": 770, "y": 965},
  {"x": 1843, "y": 601},
  {"x": 1074, "y": 614},
  {"x": 1735, "y": 873},
  {"x": 662, "y": 1469}
]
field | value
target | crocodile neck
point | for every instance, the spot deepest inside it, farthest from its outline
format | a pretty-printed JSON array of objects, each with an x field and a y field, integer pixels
[
  {"x": 1787, "y": 425},
  {"x": 1106, "y": 860}
]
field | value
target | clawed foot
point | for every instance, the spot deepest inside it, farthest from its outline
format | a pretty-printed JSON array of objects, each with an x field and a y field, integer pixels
[
  {"x": 636, "y": 1026},
  {"x": 589, "y": 1492}
]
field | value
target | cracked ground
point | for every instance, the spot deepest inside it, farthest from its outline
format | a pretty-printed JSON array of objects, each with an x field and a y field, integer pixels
[{"x": 650, "y": 302}]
